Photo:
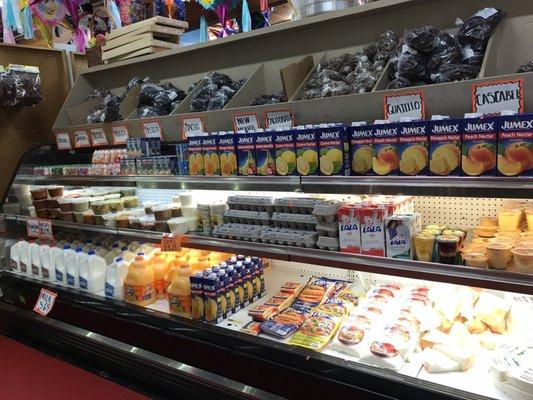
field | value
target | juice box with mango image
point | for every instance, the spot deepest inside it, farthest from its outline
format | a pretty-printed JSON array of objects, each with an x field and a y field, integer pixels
[
  {"x": 360, "y": 135},
  {"x": 210, "y": 154},
  {"x": 413, "y": 147},
  {"x": 265, "y": 155},
  {"x": 196, "y": 158},
  {"x": 386, "y": 155},
  {"x": 246, "y": 153},
  {"x": 444, "y": 146},
  {"x": 285, "y": 152},
  {"x": 479, "y": 146},
  {"x": 227, "y": 152},
  {"x": 306, "y": 142},
  {"x": 334, "y": 150},
  {"x": 515, "y": 145}
]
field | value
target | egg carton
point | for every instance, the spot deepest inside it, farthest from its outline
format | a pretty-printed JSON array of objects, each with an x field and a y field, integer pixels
[
  {"x": 328, "y": 229},
  {"x": 328, "y": 243},
  {"x": 249, "y": 233},
  {"x": 251, "y": 203},
  {"x": 295, "y": 221},
  {"x": 247, "y": 217},
  {"x": 289, "y": 237},
  {"x": 326, "y": 211},
  {"x": 295, "y": 205}
]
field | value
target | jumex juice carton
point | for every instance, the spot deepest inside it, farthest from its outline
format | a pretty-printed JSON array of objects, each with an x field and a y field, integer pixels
[
  {"x": 227, "y": 152},
  {"x": 265, "y": 155},
  {"x": 372, "y": 224},
  {"x": 196, "y": 159},
  {"x": 399, "y": 230},
  {"x": 210, "y": 153},
  {"x": 214, "y": 297},
  {"x": 197, "y": 296},
  {"x": 360, "y": 135},
  {"x": 413, "y": 146},
  {"x": 386, "y": 155},
  {"x": 349, "y": 229},
  {"x": 334, "y": 150},
  {"x": 515, "y": 145},
  {"x": 285, "y": 152},
  {"x": 246, "y": 153},
  {"x": 306, "y": 142},
  {"x": 445, "y": 147},
  {"x": 479, "y": 146}
]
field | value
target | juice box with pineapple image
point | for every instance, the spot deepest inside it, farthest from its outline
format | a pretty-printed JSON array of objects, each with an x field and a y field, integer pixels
[
  {"x": 306, "y": 142},
  {"x": 361, "y": 152},
  {"x": 413, "y": 147},
  {"x": 227, "y": 152},
  {"x": 515, "y": 145},
  {"x": 386, "y": 155},
  {"x": 246, "y": 153},
  {"x": 210, "y": 153},
  {"x": 479, "y": 151},
  {"x": 445, "y": 147},
  {"x": 285, "y": 152},
  {"x": 265, "y": 155},
  {"x": 196, "y": 158},
  {"x": 334, "y": 150}
]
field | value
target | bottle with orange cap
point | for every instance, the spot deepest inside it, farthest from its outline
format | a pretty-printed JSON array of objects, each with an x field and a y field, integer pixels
[
  {"x": 160, "y": 267},
  {"x": 173, "y": 267},
  {"x": 139, "y": 283},
  {"x": 179, "y": 292}
]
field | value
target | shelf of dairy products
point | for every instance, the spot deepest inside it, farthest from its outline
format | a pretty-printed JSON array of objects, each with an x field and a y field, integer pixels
[{"x": 74, "y": 180}]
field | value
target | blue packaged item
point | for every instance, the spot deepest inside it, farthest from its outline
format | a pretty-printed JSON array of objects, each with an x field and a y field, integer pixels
[
  {"x": 227, "y": 153},
  {"x": 246, "y": 153},
  {"x": 479, "y": 146},
  {"x": 445, "y": 147},
  {"x": 515, "y": 145},
  {"x": 196, "y": 158},
  {"x": 361, "y": 153},
  {"x": 306, "y": 143},
  {"x": 285, "y": 152},
  {"x": 413, "y": 147},
  {"x": 334, "y": 150},
  {"x": 386, "y": 154},
  {"x": 265, "y": 155},
  {"x": 210, "y": 154},
  {"x": 182, "y": 159}
]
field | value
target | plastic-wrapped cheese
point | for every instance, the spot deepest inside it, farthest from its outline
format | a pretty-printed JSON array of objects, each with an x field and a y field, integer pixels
[
  {"x": 435, "y": 361},
  {"x": 512, "y": 371},
  {"x": 461, "y": 354}
]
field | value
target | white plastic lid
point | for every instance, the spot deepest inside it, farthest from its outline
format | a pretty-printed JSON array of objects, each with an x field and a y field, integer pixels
[
  {"x": 358, "y": 123},
  {"x": 439, "y": 117},
  {"x": 473, "y": 115},
  {"x": 507, "y": 112}
]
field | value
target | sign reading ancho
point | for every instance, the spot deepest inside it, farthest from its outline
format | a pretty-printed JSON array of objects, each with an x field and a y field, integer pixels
[
  {"x": 409, "y": 105},
  {"x": 496, "y": 96}
]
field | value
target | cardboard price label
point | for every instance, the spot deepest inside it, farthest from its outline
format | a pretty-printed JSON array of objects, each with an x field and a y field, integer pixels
[
  {"x": 407, "y": 105},
  {"x": 279, "y": 119},
  {"x": 191, "y": 126},
  {"x": 496, "y": 96},
  {"x": 81, "y": 139},
  {"x": 63, "y": 141},
  {"x": 246, "y": 122},
  {"x": 45, "y": 302},
  {"x": 170, "y": 242},
  {"x": 39, "y": 228},
  {"x": 98, "y": 137},
  {"x": 32, "y": 227},
  {"x": 120, "y": 134},
  {"x": 152, "y": 129}
]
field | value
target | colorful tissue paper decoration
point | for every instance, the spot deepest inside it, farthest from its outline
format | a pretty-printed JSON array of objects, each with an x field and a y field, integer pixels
[
  {"x": 171, "y": 9},
  {"x": 50, "y": 12}
]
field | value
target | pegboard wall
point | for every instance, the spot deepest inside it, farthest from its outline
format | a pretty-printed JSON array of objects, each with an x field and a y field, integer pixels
[{"x": 162, "y": 195}]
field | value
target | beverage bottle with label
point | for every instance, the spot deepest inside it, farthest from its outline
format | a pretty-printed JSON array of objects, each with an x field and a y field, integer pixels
[
  {"x": 160, "y": 267},
  {"x": 73, "y": 268},
  {"x": 247, "y": 280},
  {"x": 25, "y": 258},
  {"x": 114, "y": 281},
  {"x": 48, "y": 270},
  {"x": 68, "y": 256},
  {"x": 239, "y": 285},
  {"x": 35, "y": 251},
  {"x": 226, "y": 307},
  {"x": 14, "y": 255},
  {"x": 179, "y": 292},
  {"x": 233, "y": 298},
  {"x": 56, "y": 262},
  {"x": 254, "y": 287},
  {"x": 92, "y": 273},
  {"x": 139, "y": 283}
]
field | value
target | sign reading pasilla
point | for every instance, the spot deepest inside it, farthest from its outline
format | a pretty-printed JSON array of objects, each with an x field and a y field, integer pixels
[
  {"x": 496, "y": 96},
  {"x": 404, "y": 105}
]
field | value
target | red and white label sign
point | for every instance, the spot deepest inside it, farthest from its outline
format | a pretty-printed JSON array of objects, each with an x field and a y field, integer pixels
[
  {"x": 45, "y": 302},
  {"x": 191, "y": 126},
  {"x": 152, "y": 129},
  {"x": 246, "y": 122},
  {"x": 81, "y": 139},
  {"x": 496, "y": 96},
  {"x": 120, "y": 134},
  {"x": 63, "y": 141},
  {"x": 279, "y": 119},
  {"x": 171, "y": 242},
  {"x": 32, "y": 227},
  {"x": 40, "y": 228},
  {"x": 404, "y": 105},
  {"x": 98, "y": 137}
]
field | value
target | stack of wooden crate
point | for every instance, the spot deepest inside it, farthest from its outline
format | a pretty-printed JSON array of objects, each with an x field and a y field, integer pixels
[{"x": 144, "y": 37}]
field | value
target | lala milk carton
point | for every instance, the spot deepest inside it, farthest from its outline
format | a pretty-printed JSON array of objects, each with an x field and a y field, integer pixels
[
  {"x": 386, "y": 155},
  {"x": 265, "y": 155},
  {"x": 227, "y": 152},
  {"x": 372, "y": 226},
  {"x": 360, "y": 135},
  {"x": 515, "y": 145},
  {"x": 479, "y": 145},
  {"x": 210, "y": 153},
  {"x": 413, "y": 147},
  {"x": 349, "y": 229},
  {"x": 306, "y": 142},
  {"x": 246, "y": 153},
  {"x": 399, "y": 230},
  {"x": 196, "y": 158},
  {"x": 285, "y": 152},
  {"x": 334, "y": 150},
  {"x": 444, "y": 146}
]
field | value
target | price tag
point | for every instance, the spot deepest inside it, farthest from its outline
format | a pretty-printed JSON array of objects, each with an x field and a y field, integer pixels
[
  {"x": 246, "y": 122},
  {"x": 32, "y": 227},
  {"x": 409, "y": 105},
  {"x": 191, "y": 126},
  {"x": 496, "y": 96},
  {"x": 45, "y": 229},
  {"x": 98, "y": 137},
  {"x": 170, "y": 242},
  {"x": 63, "y": 141},
  {"x": 81, "y": 139},
  {"x": 279, "y": 119},
  {"x": 152, "y": 129},
  {"x": 45, "y": 302},
  {"x": 120, "y": 134}
]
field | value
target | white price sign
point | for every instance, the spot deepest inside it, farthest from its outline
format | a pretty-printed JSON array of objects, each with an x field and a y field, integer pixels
[
  {"x": 32, "y": 227},
  {"x": 246, "y": 122},
  {"x": 404, "y": 105},
  {"x": 81, "y": 139},
  {"x": 99, "y": 137},
  {"x": 63, "y": 141},
  {"x": 496, "y": 96},
  {"x": 45, "y": 229},
  {"x": 191, "y": 126},
  {"x": 45, "y": 302},
  {"x": 279, "y": 119},
  {"x": 152, "y": 129},
  {"x": 120, "y": 134}
]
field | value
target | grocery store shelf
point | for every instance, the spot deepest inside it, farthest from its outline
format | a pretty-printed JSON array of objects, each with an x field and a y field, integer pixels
[{"x": 77, "y": 180}]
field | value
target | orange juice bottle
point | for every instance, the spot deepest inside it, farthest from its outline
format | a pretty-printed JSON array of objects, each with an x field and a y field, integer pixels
[
  {"x": 179, "y": 292},
  {"x": 173, "y": 268},
  {"x": 201, "y": 264},
  {"x": 139, "y": 283},
  {"x": 160, "y": 266},
  {"x": 182, "y": 252}
]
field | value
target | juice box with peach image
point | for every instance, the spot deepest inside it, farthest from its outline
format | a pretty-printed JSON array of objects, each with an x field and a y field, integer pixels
[
  {"x": 372, "y": 224},
  {"x": 479, "y": 146},
  {"x": 361, "y": 148},
  {"x": 196, "y": 158},
  {"x": 386, "y": 156},
  {"x": 210, "y": 154},
  {"x": 349, "y": 229},
  {"x": 444, "y": 146},
  {"x": 413, "y": 147},
  {"x": 227, "y": 152},
  {"x": 515, "y": 145}
]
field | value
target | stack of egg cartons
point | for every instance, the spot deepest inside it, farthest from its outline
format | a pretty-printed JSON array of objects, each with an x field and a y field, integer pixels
[{"x": 326, "y": 214}]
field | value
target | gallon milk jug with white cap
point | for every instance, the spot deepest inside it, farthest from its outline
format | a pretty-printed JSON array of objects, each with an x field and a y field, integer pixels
[
  {"x": 14, "y": 255},
  {"x": 48, "y": 270},
  {"x": 69, "y": 256},
  {"x": 25, "y": 258},
  {"x": 114, "y": 281},
  {"x": 35, "y": 271},
  {"x": 73, "y": 268},
  {"x": 92, "y": 273},
  {"x": 58, "y": 254}
]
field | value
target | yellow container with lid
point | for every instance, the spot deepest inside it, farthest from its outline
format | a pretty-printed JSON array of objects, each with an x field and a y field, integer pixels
[{"x": 139, "y": 283}]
